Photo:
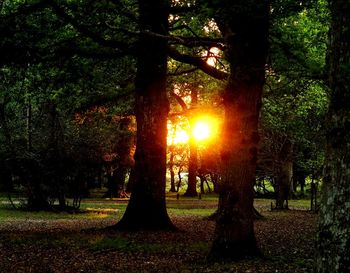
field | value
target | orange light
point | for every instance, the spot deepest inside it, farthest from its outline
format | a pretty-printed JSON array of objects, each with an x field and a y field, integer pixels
[
  {"x": 201, "y": 130},
  {"x": 181, "y": 137},
  {"x": 204, "y": 128}
]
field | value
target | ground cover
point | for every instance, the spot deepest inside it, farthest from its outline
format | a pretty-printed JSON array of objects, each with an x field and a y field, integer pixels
[{"x": 65, "y": 242}]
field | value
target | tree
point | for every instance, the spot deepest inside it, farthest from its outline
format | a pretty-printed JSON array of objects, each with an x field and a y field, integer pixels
[
  {"x": 65, "y": 71},
  {"x": 244, "y": 25},
  {"x": 147, "y": 208},
  {"x": 294, "y": 100},
  {"x": 333, "y": 235}
]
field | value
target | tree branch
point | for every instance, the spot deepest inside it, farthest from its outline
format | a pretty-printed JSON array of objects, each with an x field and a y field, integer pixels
[
  {"x": 27, "y": 9},
  {"x": 179, "y": 100},
  {"x": 85, "y": 29},
  {"x": 179, "y": 73},
  {"x": 182, "y": 9},
  {"x": 197, "y": 62},
  {"x": 189, "y": 41},
  {"x": 124, "y": 10}
]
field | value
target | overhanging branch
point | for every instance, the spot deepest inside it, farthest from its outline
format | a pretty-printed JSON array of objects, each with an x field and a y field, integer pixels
[
  {"x": 197, "y": 62},
  {"x": 85, "y": 29},
  {"x": 179, "y": 100}
]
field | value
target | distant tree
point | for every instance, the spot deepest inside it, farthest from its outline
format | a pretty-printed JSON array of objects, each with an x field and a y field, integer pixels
[
  {"x": 60, "y": 72},
  {"x": 294, "y": 100},
  {"x": 122, "y": 160}
]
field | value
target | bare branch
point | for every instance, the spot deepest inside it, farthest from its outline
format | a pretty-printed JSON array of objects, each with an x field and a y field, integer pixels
[
  {"x": 197, "y": 62},
  {"x": 179, "y": 100}
]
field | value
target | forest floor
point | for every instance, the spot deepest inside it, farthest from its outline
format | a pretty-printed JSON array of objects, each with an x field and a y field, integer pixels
[{"x": 48, "y": 243}]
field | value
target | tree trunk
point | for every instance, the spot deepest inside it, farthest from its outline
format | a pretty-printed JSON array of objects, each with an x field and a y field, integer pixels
[
  {"x": 202, "y": 181},
  {"x": 131, "y": 180},
  {"x": 180, "y": 179},
  {"x": 333, "y": 237},
  {"x": 192, "y": 171},
  {"x": 284, "y": 175},
  {"x": 116, "y": 180},
  {"x": 147, "y": 208},
  {"x": 193, "y": 160},
  {"x": 215, "y": 180},
  {"x": 29, "y": 125},
  {"x": 172, "y": 173},
  {"x": 244, "y": 25}
]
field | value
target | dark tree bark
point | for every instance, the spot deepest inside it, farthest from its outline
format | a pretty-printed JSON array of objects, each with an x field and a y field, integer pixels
[
  {"x": 116, "y": 179},
  {"x": 131, "y": 181},
  {"x": 333, "y": 237},
  {"x": 299, "y": 178},
  {"x": 179, "y": 182},
  {"x": 192, "y": 170},
  {"x": 244, "y": 24},
  {"x": 147, "y": 209},
  {"x": 284, "y": 175},
  {"x": 193, "y": 159},
  {"x": 171, "y": 169}
]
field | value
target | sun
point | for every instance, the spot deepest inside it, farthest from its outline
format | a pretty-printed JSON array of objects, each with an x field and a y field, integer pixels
[
  {"x": 205, "y": 128},
  {"x": 201, "y": 130}
]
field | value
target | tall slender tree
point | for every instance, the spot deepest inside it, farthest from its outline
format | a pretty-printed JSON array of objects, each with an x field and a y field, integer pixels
[{"x": 333, "y": 237}]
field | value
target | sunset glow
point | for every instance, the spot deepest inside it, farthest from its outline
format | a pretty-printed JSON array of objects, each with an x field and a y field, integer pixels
[
  {"x": 201, "y": 130},
  {"x": 204, "y": 128},
  {"x": 181, "y": 137}
]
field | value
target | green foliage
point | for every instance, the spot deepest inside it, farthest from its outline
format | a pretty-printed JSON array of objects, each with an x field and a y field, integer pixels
[
  {"x": 299, "y": 42},
  {"x": 295, "y": 99}
]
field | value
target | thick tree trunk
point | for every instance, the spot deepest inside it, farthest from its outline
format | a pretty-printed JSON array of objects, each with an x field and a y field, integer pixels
[
  {"x": 147, "y": 209},
  {"x": 244, "y": 25},
  {"x": 333, "y": 237}
]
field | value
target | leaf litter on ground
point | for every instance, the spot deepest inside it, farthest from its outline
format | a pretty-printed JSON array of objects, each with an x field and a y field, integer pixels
[{"x": 83, "y": 245}]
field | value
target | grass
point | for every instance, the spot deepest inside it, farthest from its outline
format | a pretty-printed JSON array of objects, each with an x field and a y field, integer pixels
[
  {"x": 191, "y": 212},
  {"x": 284, "y": 237},
  {"x": 7, "y": 213},
  {"x": 110, "y": 208}
]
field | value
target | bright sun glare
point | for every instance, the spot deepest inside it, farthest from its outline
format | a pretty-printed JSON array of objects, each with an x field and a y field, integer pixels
[
  {"x": 201, "y": 130},
  {"x": 181, "y": 137}
]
